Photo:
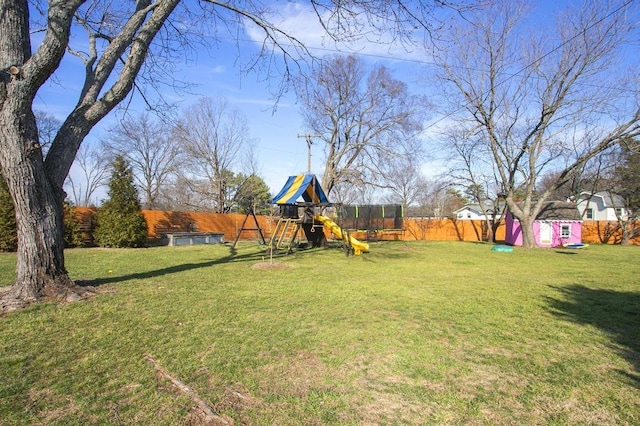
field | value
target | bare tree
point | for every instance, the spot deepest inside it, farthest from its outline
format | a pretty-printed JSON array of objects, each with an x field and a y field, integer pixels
[
  {"x": 48, "y": 126},
  {"x": 347, "y": 193},
  {"x": 150, "y": 150},
  {"x": 35, "y": 183},
  {"x": 469, "y": 167},
  {"x": 119, "y": 38},
  {"x": 360, "y": 116},
  {"x": 180, "y": 195},
  {"x": 439, "y": 200},
  {"x": 94, "y": 172},
  {"x": 589, "y": 178},
  {"x": 623, "y": 183},
  {"x": 536, "y": 103},
  {"x": 405, "y": 181},
  {"x": 214, "y": 136}
]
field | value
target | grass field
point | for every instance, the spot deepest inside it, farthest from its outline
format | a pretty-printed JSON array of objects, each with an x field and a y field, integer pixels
[{"x": 417, "y": 333}]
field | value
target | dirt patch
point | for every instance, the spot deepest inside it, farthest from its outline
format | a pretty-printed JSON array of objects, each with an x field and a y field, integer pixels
[
  {"x": 56, "y": 293},
  {"x": 233, "y": 400},
  {"x": 197, "y": 417},
  {"x": 267, "y": 265},
  {"x": 295, "y": 376}
]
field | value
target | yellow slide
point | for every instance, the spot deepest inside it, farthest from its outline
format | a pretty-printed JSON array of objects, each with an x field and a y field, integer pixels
[{"x": 358, "y": 246}]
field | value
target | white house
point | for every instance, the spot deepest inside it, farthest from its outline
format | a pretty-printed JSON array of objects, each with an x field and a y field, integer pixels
[
  {"x": 474, "y": 212},
  {"x": 601, "y": 205}
]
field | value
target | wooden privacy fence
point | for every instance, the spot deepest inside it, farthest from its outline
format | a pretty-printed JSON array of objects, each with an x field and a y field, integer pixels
[
  {"x": 167, "y": 222},
  {"x": 421, "y": 229}
]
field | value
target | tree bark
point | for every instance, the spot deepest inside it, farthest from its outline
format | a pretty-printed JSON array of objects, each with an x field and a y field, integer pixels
[
  {"x": 526, "y": 214},
  {"x": 39, "y": 215},
  {"x": 35, "y": 185},
  {"x": 626, "y": 232},
  {"x": 38, "y": 205},
  {"x": 528, "y": 237}
]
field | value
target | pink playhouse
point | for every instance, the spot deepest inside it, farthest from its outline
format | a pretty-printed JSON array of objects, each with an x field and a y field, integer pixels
[{"x": 557, "y": 224}]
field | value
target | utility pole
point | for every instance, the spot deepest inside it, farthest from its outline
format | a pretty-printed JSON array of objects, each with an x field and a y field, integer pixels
[{"x": 309, "y": 143}]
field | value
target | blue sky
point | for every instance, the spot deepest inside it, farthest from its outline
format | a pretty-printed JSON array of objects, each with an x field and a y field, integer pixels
[{"x": 218, "y": 72}]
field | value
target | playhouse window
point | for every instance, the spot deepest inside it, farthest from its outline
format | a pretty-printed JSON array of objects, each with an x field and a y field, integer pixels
[
  {"x": 565, "y": 231},
  {"x": 589, "y": 214}
]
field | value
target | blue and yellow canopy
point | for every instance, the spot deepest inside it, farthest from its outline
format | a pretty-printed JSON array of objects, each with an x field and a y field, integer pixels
[{"x": 306, "y": 186}]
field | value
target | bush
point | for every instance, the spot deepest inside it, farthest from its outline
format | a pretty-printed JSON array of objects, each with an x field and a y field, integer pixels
[
  {"x": 72, "y": 231},
  {"x": 119, "y": 222},
  {"x": 8, "y": 229}
]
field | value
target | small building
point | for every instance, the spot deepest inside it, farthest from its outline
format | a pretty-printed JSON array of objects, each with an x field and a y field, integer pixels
[
  {"x": 601, "y": 205},
  {"x": 558, "y": 223},
  {"x": 475, "y": 211},
  {"x": 469, "y": 212}
]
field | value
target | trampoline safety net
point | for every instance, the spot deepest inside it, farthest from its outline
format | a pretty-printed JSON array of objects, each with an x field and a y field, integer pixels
[{"x": 372, "y": 217}]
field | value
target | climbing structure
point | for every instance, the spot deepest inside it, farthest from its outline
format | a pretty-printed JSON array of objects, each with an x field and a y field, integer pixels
[{"x": 307, "y": 188}]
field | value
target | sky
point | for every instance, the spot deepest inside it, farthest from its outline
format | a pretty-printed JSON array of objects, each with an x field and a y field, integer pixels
[{"x": 274, "y": 126}]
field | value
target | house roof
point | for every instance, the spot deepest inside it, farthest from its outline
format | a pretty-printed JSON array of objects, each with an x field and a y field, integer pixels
[
  {"x": 472, "y": 207},
  {"x": 478, "y": 208},
  {"x": 559, "y": 210},
  {"x": 609, "y": 199}
]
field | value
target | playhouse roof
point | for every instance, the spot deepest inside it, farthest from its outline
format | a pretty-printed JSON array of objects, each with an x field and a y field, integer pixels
[
  {"x": 306, "y": 186},
  {"x": 559, "y": 210}
]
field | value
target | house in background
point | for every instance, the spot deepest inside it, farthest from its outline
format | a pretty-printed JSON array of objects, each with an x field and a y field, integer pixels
[
  {"x": 469, "y": 212},
  {"x": 474, "y": 211},
  {"x": 557, "y": 223},
  {"x": 601, "y": 205}
]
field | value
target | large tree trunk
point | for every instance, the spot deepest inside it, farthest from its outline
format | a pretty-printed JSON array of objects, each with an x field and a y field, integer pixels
[
  {"x": 38, "y": 203},
  {"x": 526, "y": 215},
  {"x": 39, "y": 218},
  {"x": 35, "y": 185},
  {"x": 528, "y": 237},
  {"x": 40, "y": 264}
]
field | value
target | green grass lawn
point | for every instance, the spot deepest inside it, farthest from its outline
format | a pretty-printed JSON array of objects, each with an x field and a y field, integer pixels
[{"x": 417, "y": 333}]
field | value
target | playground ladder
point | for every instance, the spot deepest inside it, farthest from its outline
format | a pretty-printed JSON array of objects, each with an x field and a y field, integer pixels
[{"x": 284, "y": 234}]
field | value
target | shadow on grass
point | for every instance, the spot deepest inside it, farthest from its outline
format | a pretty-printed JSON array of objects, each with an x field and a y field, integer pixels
[
  {"x": 617, "y": 313},
  {"x": 231, "y": 257},
  {"x": 566, "y": 252}
]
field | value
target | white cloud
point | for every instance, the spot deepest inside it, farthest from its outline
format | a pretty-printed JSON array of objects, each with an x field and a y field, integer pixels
[
  {"x": 295, "y": 19},
  {"x": 301, "y": 22}
]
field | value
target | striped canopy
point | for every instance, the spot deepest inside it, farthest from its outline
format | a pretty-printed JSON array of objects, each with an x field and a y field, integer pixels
[{"x": 306, "y": 186}]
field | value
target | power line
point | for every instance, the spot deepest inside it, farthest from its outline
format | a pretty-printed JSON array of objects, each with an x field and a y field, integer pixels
[
  {"x": 309, "y": 139},
  {"x": 431, "y": 63},
  {"x": 434, "y": 64},
  {"x": 524, "y": 68}
]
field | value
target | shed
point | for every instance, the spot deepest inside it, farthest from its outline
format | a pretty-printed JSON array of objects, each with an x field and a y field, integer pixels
[{"x": 557, "y": 224}]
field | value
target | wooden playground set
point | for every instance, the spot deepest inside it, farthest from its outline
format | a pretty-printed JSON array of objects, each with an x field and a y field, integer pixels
[{"x": 305, "y": 212}]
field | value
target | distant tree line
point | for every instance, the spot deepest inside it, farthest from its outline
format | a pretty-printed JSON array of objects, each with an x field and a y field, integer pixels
[{"x": 201, "y": 161}]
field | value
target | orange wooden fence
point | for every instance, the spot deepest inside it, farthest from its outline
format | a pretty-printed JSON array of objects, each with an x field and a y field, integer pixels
[
  {"x": 602, "y": 232},
  {"x": 165, "y": 222},
  {"x": 162, "y": 222}
]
